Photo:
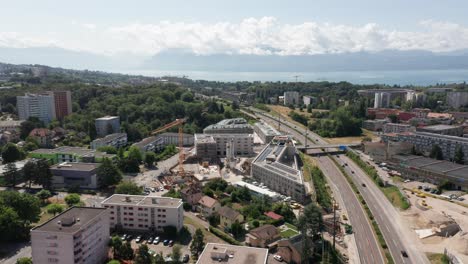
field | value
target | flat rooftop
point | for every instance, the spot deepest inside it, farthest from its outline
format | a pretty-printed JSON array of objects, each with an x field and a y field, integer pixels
[
  {"x": 229, "y": 254},
  {"x": 75, "y": 166},
  {"x": 110, "y": 137},
  {"x": 267, "y": 129},
  {"x": 71, "y": 220},
  {"x": 204, "y": 138},
  {"x": 141, "y": 200},
  {"x": 107, "y": 118},
  {"x": 79, "y": 151},
  {"x": 439, "y": 127}
]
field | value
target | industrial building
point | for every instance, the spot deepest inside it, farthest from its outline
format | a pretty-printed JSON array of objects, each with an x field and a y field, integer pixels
[
  {"x": 78, "y": 235},
  {"x": 291, "y": 98},
  {"x": 265, "y": 132},
  {"x": 277, "y": 166},
  {"x": 107, "y": 125},
  {"x": 144, "y": 213},
  {"x": 36, "y": 105},
  {"x": 74, "y": 174},
  {"x": 116, "y": 140},
  {"x": 431, "y": 170},
  {"x": 229, "y": 126}
]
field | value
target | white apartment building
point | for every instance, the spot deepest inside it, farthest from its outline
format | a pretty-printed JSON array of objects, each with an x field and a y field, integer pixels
[
  {"x": 79, "y": 235},
  {"x": 291, "y": 98},
  {"x": 116, "y": 140},
  {"x": 144, "y": 213},
  {"x": 107, "y": 125},
  {"x": 382, "y": 100},
  {"x": 397, "y": 128},
  {"x": 36, "y": 105},
  {"x": 457, "y": 99},
  {"x": 242, "y": 144},
  {"x": 278, "y": 168}
]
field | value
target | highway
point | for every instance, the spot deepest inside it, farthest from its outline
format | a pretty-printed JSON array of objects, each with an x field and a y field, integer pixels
[{"x": 366, "y": 243}]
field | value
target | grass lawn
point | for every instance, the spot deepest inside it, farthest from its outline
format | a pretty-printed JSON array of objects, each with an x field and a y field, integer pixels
[
  {"x": 209, "y": 237},
  {"x": 349, "y": 140},
  {"x": 395, "y": 197},
  {"x": 290, "y": 226},
  {"x": 437, "y": 258},
  {"x": 288, "y": 231}
]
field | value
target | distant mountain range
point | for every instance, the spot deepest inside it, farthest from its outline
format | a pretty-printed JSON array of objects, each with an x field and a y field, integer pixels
[{"x": 184, "y": 61}]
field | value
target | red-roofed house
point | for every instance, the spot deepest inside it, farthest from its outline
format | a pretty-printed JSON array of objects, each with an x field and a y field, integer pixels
[
  {"x": 42, "y": 136},
  {"x": 273, "y": 215},
  {"x": 208, "y": 206},
  {"x": 262, "y": 236}
]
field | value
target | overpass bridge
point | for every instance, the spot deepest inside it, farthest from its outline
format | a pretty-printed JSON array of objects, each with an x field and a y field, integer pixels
[{"x": 326, "y": 146}]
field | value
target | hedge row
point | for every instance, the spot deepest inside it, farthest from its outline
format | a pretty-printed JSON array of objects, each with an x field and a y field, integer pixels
[{"x": 224, "y": 236}]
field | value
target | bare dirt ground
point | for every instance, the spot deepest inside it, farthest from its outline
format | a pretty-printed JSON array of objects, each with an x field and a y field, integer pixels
[{"x": 439, "y": 212}]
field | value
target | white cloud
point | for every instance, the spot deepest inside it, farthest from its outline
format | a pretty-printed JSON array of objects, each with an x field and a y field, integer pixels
[{"x": 252, "y": 36}]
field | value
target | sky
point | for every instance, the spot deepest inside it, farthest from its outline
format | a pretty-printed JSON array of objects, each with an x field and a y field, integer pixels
[{"x": 262, "y": 27}]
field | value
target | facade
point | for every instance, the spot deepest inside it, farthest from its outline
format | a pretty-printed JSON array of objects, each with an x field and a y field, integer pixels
[
  {"x": 152, "y": 143},
  {"x": 191, "y": 195},
  {"x": 291, "y": 98},
  {"x": 242, "y": 144},
  {"x": 265, "y": 132},
  {"x": 443, "y": 130},
  {"x": 374, "y": 125},
  {"x": 431, "y": 170},
  {"x": 423, "y": 142},
  {"x": 42, "y": 136},
  {"x": 382, "y": 100},
  {"x": 309, "y": 100},
  {"x": 70, "y": 154},
  {"x": 208, "y": 206},
  {"x": 397, "y": 128},
  {"x": 116, "y": 140},
  {"x": 36, "y": 105},
  {"x": 144, "y": 213},
  {"x": 173, "y": 139},
  {"x": 381, "y": 113},
  {"x": 262, "y": 236},
  {"x": 230, "y": 254},
  {"x": 62, "y": 103},
  {"x": 205, "y": 147},
  {"x": 457, "y": 99},
  {"x": 381, "y": 151},
  {"x": 74, "y": 174},
  {"x": 277, "y": 166},
  {"x": 107, "y": 125},
  {"x": 79, "y": 235},
  {"x": 11, "y": 125},
  {"x": 229, "y": 126},
  {"x": 394, "y": 93},
  {"x": 228, "y": 216}
]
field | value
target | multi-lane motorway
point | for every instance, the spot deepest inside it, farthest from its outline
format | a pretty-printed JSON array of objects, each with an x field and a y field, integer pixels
[
  {"x": 366, "y": 243},
  {"x": 398, "y": 237}
]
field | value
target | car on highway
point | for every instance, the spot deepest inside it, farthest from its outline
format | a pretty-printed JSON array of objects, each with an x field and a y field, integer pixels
[
  {"x": 363, "y": 185},
  {"x": 278, "y": 258},
  {"x": 404, "y": 254}
]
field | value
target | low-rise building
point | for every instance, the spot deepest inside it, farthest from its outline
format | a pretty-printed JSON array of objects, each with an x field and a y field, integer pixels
[
  {"x": 277, "y": 166},
  {"x": 144, "y": 213},
  {"x": 289, "y": 252},
  {"x": 11, "y": 125},
  {"x": 265, "y": 132},
  {"x": 214, "y": 145},
  {"x": 173, "y": 139},
  {"x": 309, "y": 100},
  {"x": 152, "y": 143},
  {"x": 78, "y": 235},
  {"x": 257, "y": 191},
  {"x": 70, "y": 154},
  {"x": 116, "y": 140},
  {"x": 208, "y": 206},
  {"x": 374, "y": 125},
  {"x": 229, "y": 126},
  {"x": 191, "y": 195},
  {"x": 74, "y": 174},
  {"x": 262, "y": 236},
  {"x": 397, "y": 128},
  {"x": 42, "y": 136},
  {"x": 443, "y": 130},
  {"x": 230, "y": 254},
  {"x": 228, "y": 216},
  {"x": 205, "y": 147}
]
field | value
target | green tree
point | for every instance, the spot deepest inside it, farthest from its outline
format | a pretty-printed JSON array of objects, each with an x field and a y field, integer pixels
[
  {"x": 116, "y": 244},
  {"x": 176, "y": 254},
  {"x": 128, "y": 187},
  {"x": 11, "y": 153},
  {"x": 54, "y": 208},
  {"x": 393, "y": 118},
  {"x": 237, "y": 229},
  {"x": 11, "y": 174},
  {"x": 28, "y": 125},
  {"x": 11, "y": 226},
  {"x": 135, "y": 153},
  {"x": 43, "y": 195},
  {"x": 108, "y": 149},
  {"x": 158, "y": 259},
  {"x": 43, "y": 174},
  {"x": 310, "y": 223},
  {"x": 27, "y": 206},
  {"x": 108, "y": 174},
  {"x": 150, "y": 158},
  {"x": 24, "y": 260},
  {"x": 436, "y": 153},
  {"x": 459, "y": 155},
  {"x": 127, "y": 251},
  {"x": 72, "y": 199},
  {"x": 113, "y": 262},
  {"x": 198, "y": 243},
  {"x": 143, "y": 255}
]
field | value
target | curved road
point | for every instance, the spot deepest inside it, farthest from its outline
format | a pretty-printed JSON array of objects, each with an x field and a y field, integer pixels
[
  {"x": 366, "y": 243},
  {"x": 397, "y": 235}
]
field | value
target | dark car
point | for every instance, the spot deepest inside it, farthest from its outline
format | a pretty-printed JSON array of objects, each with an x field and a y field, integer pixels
[
  {"x": 363, "y": 185},
  {"x": 166, "y": 242},
  {"x": 404, "y": 254},
  {"x": 129, "y": 238},
  {"x": 186, "y": 258}
]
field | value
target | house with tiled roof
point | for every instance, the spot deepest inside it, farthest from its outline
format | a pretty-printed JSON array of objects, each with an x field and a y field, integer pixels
[
  {"x": 228, "y": 216},
  {"x": 262, "y": 236},
  {"x": 207, "y": 206},
  {"x": 42, "y": 136}
]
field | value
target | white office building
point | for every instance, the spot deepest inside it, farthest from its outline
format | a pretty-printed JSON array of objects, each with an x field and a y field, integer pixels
[
  {"x": 144, "y": 213},
  {"x": 79, "y": 235},
  {"x": 36, "y": 105}
]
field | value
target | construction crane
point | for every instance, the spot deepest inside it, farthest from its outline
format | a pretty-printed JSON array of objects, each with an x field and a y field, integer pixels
[
  {"x": 296, "y": 76},
  {"x": 179, "y": 123}
]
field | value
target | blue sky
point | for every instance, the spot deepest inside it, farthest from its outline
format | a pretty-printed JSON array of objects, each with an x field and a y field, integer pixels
[{"x": 254, "y": 26}]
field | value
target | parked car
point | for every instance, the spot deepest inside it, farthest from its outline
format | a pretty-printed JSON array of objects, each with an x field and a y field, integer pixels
[
  {"x": 171, "y": 243},
  {"x": 129, "y": 238},
  {"x": 404, "y": 254},
  {"x": 186, "y": 258},
  {"x": 278, "y": 258},
  {"x": 461, "y": 199},
  {"x": 150, "y": 240},
  {"x": 166, "y": 242},
  {"x": 124, "y": 237},
  {"x": 156, "y": 241},
  {"x": 138, "y": 239},
  {"x": 363, "y": 185}
]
